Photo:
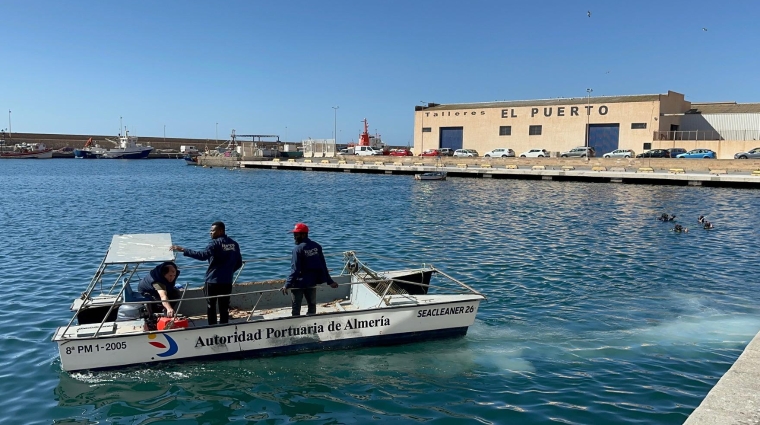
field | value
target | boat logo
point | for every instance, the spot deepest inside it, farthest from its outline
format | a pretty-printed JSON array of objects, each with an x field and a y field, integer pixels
[{"x": 171, "y": 349}]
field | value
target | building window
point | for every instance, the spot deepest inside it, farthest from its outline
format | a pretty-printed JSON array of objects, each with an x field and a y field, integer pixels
[
  {"x": 638, "y": 125},
  {"x": 647, "y": 146},
  {"x": 505, "y": 130},
  {"x": 426, "y": 129},
  {"x": 534, "y": 130}
]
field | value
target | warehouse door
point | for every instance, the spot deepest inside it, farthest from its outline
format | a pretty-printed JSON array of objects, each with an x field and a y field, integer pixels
[
  {"x": 451, "y": 137},
  {"x": 604, "y": 137}
]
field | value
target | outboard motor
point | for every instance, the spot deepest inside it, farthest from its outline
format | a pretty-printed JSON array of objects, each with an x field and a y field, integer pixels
[{"x": 131, "y": 311}]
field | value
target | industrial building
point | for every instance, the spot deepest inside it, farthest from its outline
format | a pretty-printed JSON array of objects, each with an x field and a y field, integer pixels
[{"x": 637, "y": 122}]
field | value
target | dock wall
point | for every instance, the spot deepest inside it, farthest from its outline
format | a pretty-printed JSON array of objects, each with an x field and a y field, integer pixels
[
  {"x": 682, "y": 172},
  {"x": 735, "y": 399}
]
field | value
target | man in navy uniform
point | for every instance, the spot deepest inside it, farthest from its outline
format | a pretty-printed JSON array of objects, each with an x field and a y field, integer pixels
[
  {"x": 308, "y": 269},
  {"x": 224, "y": 258}
]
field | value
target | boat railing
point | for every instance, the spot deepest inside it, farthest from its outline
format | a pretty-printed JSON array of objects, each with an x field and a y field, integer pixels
[
  {"x": 352, "y": 266},
  {"x": 120, "y": 300},
  {"x": 138, "y": 267}
]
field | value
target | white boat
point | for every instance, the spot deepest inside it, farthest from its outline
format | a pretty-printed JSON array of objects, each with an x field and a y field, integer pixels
[
  {"x": 433, "y": 175},
  {"x": 125, "y": 148},
  {"x": 109, "y": 329},
  {"x": 25, "y": 150}
]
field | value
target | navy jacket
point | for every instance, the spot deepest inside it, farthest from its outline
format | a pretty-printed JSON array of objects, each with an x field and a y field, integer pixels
[
  {"x": 224, "y": 258},
  {"x": 307, "y": 267},
  {"x": 146, "y": 283}
]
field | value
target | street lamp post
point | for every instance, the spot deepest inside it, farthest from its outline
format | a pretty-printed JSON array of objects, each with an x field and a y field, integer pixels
[
  {"x": 10, "y": 129},
  {"x": 335, "y": 124},
  {"x": 588, "y": 120},
  {"x": 164, "y": 133},
  {"x": 422, "y": 128},
  {"x": 217, "y": 134}
]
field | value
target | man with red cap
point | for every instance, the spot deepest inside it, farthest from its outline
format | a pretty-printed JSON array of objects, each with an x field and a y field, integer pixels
[{"x": 308, "y": 269}]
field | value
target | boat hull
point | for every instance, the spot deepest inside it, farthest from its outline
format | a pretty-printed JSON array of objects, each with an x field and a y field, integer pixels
[
  {"x": 82, "y": 153},
  {"x": 112, "y": 154},
  {"x": 191, "y": 160},
  {"x": 30, "y": 155},
  {"x": 430, "y": 176},
  {"x": 128, "y": 155},
  {"x": 380, "y": 326}
]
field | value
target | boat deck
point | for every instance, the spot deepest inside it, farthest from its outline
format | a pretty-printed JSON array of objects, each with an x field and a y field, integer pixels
[{"x": 241, "y": 316}]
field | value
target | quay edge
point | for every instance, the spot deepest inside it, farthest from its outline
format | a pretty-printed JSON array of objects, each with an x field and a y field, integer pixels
[
  {"x": 679, "y": 172},
  {"x": 735, "y": 399}
]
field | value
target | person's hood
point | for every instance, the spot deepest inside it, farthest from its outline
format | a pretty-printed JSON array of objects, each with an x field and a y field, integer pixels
[{"x": 158, "y": 277}]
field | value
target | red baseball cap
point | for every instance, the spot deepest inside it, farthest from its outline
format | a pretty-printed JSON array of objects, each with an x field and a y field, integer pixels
[{"x": 300, "y": 228}]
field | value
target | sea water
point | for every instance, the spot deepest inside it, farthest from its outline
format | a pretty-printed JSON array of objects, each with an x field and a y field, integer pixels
[{"x": 596, "y": 311}]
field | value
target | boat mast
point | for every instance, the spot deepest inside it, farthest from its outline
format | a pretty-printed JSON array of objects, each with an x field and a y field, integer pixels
[{"x": 364, "y": 137}]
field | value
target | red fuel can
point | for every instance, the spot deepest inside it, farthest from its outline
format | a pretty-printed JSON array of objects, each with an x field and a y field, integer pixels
[{"x": 172, "y": 323}]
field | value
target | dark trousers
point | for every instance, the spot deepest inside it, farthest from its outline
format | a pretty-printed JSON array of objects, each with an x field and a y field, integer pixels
[
  {"x": 311, "y": 300},
  {"x": 213, "y": 289}
]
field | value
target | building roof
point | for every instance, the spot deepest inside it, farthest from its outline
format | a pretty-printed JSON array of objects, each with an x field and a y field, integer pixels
[
  {"x": 545, "y": 102},
  {"x": 724, "y": 108}
]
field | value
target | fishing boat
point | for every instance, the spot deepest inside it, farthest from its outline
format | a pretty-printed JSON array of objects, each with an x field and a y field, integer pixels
[
  {"x": 25, "y": 150},
  {"x": 433, "y": 175},
  {"x": 190, "y": 159},
  {"x": 125, "y": 148},
  {"x": 110, "y": 328}
]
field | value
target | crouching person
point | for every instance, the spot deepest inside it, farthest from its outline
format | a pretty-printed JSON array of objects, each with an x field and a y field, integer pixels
[{"x": 158, "y": 285}]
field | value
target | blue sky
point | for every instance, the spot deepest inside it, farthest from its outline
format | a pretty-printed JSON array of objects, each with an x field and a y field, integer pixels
[{"x": 264, "y": 67}]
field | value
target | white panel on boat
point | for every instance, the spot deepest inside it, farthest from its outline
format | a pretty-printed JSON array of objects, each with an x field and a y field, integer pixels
[
  {"x": 89, "y": 330},
  {"x": 96, "y": 301},
  {"x": 138, "y": 248}
]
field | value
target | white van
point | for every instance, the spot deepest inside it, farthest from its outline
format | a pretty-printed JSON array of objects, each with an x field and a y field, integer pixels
[
  {"x": 188, "y": 149},
  {"x": 366, "y": 150}
]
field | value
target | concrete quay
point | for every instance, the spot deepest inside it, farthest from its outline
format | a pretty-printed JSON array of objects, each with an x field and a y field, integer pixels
[
  {"x": 735, "y": 399},
  {"x": 672, "y": 172}
]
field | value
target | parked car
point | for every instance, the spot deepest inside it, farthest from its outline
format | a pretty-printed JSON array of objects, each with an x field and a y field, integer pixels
[
  {"x": 500, "y": 153},
  {"x": 535, "y": 153},
  {"x": 654, "y": 153},
  {"x": 697, "y": 153},
  {"x": 674, "y": 152},
  {"x": 754, "y": 153},
  {"x": 430, "y": 152},
  {"x": 401, "y": 152},
  {"x": 580, "y": 151},
  {"x": 620, "y": 153},
  {"x": 465, "y": 153},
  {"x": 366, "y": 151},
  {"x": 446, "y": 151}
]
